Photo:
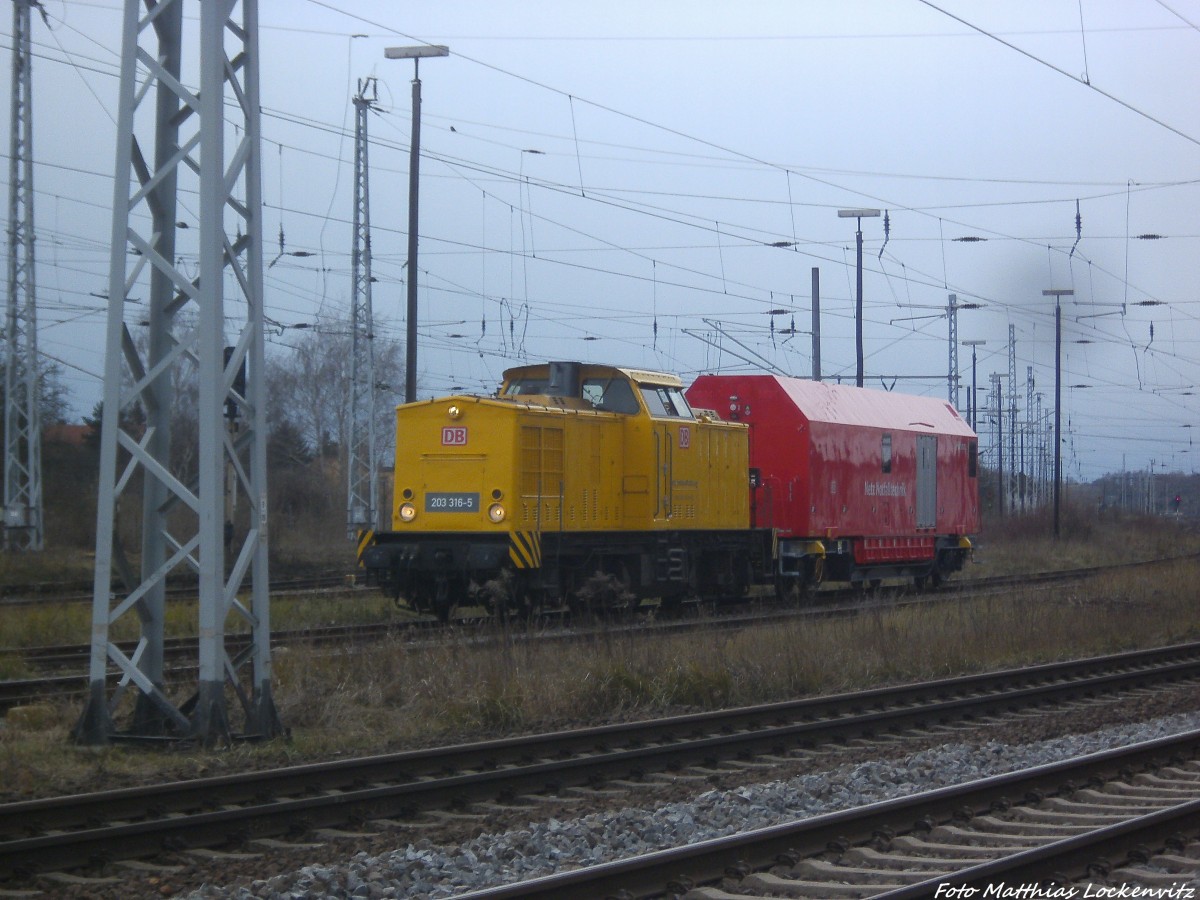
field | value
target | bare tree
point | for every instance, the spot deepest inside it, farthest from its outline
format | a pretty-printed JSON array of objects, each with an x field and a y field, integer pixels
[{"x": 309, "y": 386}]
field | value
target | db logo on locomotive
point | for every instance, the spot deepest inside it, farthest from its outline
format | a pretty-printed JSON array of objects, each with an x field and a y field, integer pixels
[{"x": 455, "y": 436}]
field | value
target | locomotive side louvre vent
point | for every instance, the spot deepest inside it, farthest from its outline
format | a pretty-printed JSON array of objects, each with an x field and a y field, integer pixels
[
  {"x": 541, "y": 475},
  {"x": 683, "y": 511}
]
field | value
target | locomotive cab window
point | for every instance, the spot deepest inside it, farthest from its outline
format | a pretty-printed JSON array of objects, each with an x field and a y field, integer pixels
[
  {"x": 972, "y": 459},
  {"x": 610, "y": 395},
  {"x": 665, "y": 402},
  {"x": 526, "y": 386},
  {"x": 886, "y": 453}
]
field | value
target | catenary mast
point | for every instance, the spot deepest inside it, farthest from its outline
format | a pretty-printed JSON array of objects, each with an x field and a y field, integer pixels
[
  {"x": 952, "y": 371},
  {"x": 362, "y": 472},
  {"x": 206, "y": 144},
  {"x": 21, "y": 514}
]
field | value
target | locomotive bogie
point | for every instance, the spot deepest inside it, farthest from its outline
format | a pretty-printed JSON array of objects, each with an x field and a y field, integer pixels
[{"x": 599, "y": 572}]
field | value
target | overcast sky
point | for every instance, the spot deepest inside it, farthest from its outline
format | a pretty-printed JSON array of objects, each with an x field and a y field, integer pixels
[{"x": 650, "y": 184}]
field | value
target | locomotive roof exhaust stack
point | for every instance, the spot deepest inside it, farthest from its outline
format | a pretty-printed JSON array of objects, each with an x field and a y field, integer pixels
[{"x": 566, "y": 379}]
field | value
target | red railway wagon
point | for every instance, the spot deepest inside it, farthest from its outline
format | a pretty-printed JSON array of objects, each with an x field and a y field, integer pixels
[{"x": 860, "y": 484}]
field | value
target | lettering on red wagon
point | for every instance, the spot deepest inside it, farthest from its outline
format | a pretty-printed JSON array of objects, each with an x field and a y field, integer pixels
[
  {"x": 454, "y": 436},
  {"x": 885, "y": 489}
]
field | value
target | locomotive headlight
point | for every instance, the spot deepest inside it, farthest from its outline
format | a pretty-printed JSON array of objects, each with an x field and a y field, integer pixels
[
  {"x": 454, "y": 412},
  {"x": 408, "y": 512},
  {"x": 496, "y": 513}
]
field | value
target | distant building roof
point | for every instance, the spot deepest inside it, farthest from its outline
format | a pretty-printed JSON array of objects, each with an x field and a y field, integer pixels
[{"x": 75, "y": 435}]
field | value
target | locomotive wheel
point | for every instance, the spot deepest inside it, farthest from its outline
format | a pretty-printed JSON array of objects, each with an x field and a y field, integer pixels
[
  {"x": 789, "y": 590},
  {"x": 673, "y": 604},
  {"x": 603, "y": 594},
  {"x": 518, "y": 606},
  {"x": 506, "y": 596},
  {"x": 442, "y": 604},
  {"x": 930, "y": 581},
  {"x": 796, "y": 590}
]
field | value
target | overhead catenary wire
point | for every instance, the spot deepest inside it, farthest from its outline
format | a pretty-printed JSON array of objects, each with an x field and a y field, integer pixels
[
  {"x": 1060, "y": 71},
  {"x": 757, "y": 289}
]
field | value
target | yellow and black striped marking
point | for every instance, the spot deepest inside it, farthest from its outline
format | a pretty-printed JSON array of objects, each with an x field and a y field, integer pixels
[
  {"x": 366, "y": 538},
  {"x": 525, "y": 549}
]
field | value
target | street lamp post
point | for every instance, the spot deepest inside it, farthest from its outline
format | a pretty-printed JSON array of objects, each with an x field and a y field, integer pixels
[
  {"x": 859, "y": 215},
  {"x": 416, "y": 54},
  {"x": 1057, "y": 294}
]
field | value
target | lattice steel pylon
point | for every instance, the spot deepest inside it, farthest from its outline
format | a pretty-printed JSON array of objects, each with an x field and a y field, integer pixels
[
  {"x": 362, "y": 475},
  {"x": 952, "y": 386},
  {"x": 1027, "y": 455},
  {"x": 206, "y": 144},
  {"x": 21, "y": 515},
  {"x": 1014, "y": 463},
  {"x": 997, "y": 404}
]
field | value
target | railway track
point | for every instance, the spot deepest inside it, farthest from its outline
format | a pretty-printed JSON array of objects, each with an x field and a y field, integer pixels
[
  {"x": 181, "y": 652},
  {"x": 1122, "y": 819},
  {"x": 79, "y": 592},
  {"x": 69, "y": 832},
  {"x": 178, "y": 650},
  {"x": 41, "y": 593}
]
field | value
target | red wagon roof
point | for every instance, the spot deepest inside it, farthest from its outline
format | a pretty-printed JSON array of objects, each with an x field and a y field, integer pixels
[{"x": 847, "y": 405}]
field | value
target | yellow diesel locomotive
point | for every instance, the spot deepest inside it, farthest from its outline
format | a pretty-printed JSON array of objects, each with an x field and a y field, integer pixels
[{"x": 577, "y": 486}]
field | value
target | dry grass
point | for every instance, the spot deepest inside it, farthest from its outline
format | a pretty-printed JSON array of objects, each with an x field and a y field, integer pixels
[
  {"x": 392, "y": 696},
  {"x": 52, "y": 566},
  {"x": 58, "y": 623},
  {"x": 386, "y": 696},
  {"x": 1026, "y": 543}
]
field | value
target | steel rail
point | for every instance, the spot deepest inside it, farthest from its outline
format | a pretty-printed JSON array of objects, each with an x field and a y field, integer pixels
[
  {"x": 178, "y": 651},
  {"x": 42, "y": 593},
  {"x": 33, "y": 594},
  {"x": 832, "y": 603},
  {"x": 59, "y": 831},
  {"x": 674, "y": 871}
]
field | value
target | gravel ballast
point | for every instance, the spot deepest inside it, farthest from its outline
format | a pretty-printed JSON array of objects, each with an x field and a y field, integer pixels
[{"x": 427, "y": 870}]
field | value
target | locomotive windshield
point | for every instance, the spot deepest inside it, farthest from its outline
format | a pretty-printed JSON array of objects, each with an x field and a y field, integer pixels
[
  {"x": 607, "y": 394},
  {"x": 610, "y": 395},
  {"x": 666, "y": 401},
  {"x": 526, "y": 386}
]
